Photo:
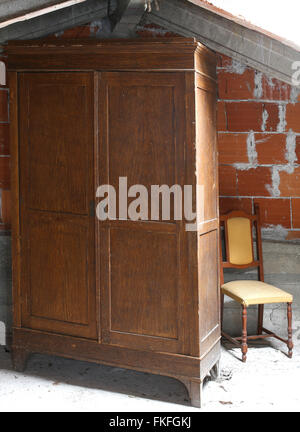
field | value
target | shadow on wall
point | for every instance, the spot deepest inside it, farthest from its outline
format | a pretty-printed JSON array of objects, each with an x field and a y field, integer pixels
[{"x": 5, "y": 288}]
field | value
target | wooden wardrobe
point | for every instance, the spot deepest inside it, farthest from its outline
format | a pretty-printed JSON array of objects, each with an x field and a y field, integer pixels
[{"x": 142, "y": 295}]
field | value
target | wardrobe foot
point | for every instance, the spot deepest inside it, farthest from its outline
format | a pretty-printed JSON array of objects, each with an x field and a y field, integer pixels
[
  {"x": 215, "y": 371},
  {"x": 19, "y": 359},
  {"x": 195, "y": 390}
]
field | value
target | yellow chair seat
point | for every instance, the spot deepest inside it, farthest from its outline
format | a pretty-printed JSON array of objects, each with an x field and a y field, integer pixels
[{"x": 249, "y": 292}]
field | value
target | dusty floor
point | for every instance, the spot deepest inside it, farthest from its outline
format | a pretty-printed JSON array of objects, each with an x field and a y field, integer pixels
[{"x": 269, "y": 381}]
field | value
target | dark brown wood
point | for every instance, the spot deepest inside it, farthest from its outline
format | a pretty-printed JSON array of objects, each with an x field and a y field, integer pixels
[
  {"x": 153, "y": 247},
  {"x": 261, "y": 266},
  {"x": 19, "y": 358},
  {"x": 173, "y": 365},
  {"x": 265, "y": 336},
  {"x": 139, "y": 294},
  {"x": 57, "y": 185},
  {"x": 148, "y": 54},
  {"x": 15, "y": 198},
  {"x": 256, "y": 221},
  {"x": 271, "y": 334}
]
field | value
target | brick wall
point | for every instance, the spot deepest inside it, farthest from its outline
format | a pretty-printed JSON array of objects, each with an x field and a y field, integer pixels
[
  {"x": 259, "y": 147},
  {"x": 258, "y": 137}
]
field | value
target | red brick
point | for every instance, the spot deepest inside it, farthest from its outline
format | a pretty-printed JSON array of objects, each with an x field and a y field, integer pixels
[
  {"x": 4, "y": 139},
  {"x": 296, "y": 212},
  {"x": 254, "y": 182},
  {"x": 290, "y": 183},
  {"x": 5, "y": 207},
  {"x": 275, "y": 211},
  {"x": 154, "y": 30},
  {"x": 232, "y": 148},
  {"x": 235, "y": 86},
  {"x": 227, "y": 179},
  {"x": 219, "y": 60},
  {"x": 293, "y": 235},
  {"x": 273, "y": 89},
  {"x": 244, "y": 116},
  {"x": 3, "y": 106},
  {"x": 271, "y": 148},
  {"x": 83, "y": 31},
  {"x": 272, "y": 121},
  {"x": 4, "y": 172},
  {"x": 221, "y": 117},
  {"x": 293, "y": 117},
  {"x": 224, "y": 61},
  {"x": 230, "y": 204}
]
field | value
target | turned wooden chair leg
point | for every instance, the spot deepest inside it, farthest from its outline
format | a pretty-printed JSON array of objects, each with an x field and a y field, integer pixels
[
  {"x": 244, "y": 334},
  {"x": 260, "y": 319},
  {"x": 290, "y": 331}
]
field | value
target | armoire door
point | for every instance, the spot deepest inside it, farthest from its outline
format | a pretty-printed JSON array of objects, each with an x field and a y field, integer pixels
[
  {"x": 142, "y": 264},
  {"x": 56, "y": 118}
]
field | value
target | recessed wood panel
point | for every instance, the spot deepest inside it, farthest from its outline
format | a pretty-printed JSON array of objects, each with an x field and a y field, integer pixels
[
  {"x": 145, "y": 119},
  {"x": 56, "y": 132},
  {"x": 144, "y": 283},
  {"x": 152, "y": 139},
  {"x": 56, "y": 188},
  {"x": 207, "y": 153},
  {"x": 58, "y": 271},
  {"x": 143, "y": 262},
  {"x": 208, "y": 289}
]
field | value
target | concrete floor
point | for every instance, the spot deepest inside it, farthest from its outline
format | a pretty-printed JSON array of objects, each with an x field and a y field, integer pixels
[{"x": 269, "y": 381}]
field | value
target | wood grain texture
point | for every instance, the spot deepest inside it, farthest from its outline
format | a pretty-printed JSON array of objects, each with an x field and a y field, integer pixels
[
  {"x": 56, "y": 138},
  {"x": 15, "y": 198},
  {"x": 139, "y": 294},
  {"x": 137, "y": 54},
  {"x": 56, "y": 165},
  {"x": 143, "y": 140}
]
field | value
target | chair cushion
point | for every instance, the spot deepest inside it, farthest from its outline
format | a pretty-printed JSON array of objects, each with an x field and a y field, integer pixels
[{"x": 248, "y": 292}]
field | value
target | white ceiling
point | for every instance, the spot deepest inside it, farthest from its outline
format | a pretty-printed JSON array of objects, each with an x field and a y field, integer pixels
[{"x": 280, "y": 17}]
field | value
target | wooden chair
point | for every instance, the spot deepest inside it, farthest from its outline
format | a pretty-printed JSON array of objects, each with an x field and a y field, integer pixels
[{"x": 239, "y": 244}]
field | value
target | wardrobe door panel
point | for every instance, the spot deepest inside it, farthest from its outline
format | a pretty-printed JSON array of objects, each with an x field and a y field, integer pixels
[
  {"x": 142, "y": 264},
  {"x": 57, "y": 185},
  {"x": 141, "y": 285}
]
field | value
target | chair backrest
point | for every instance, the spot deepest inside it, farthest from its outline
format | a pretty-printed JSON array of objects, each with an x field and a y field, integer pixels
[{"x": 239, "y": 242}]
